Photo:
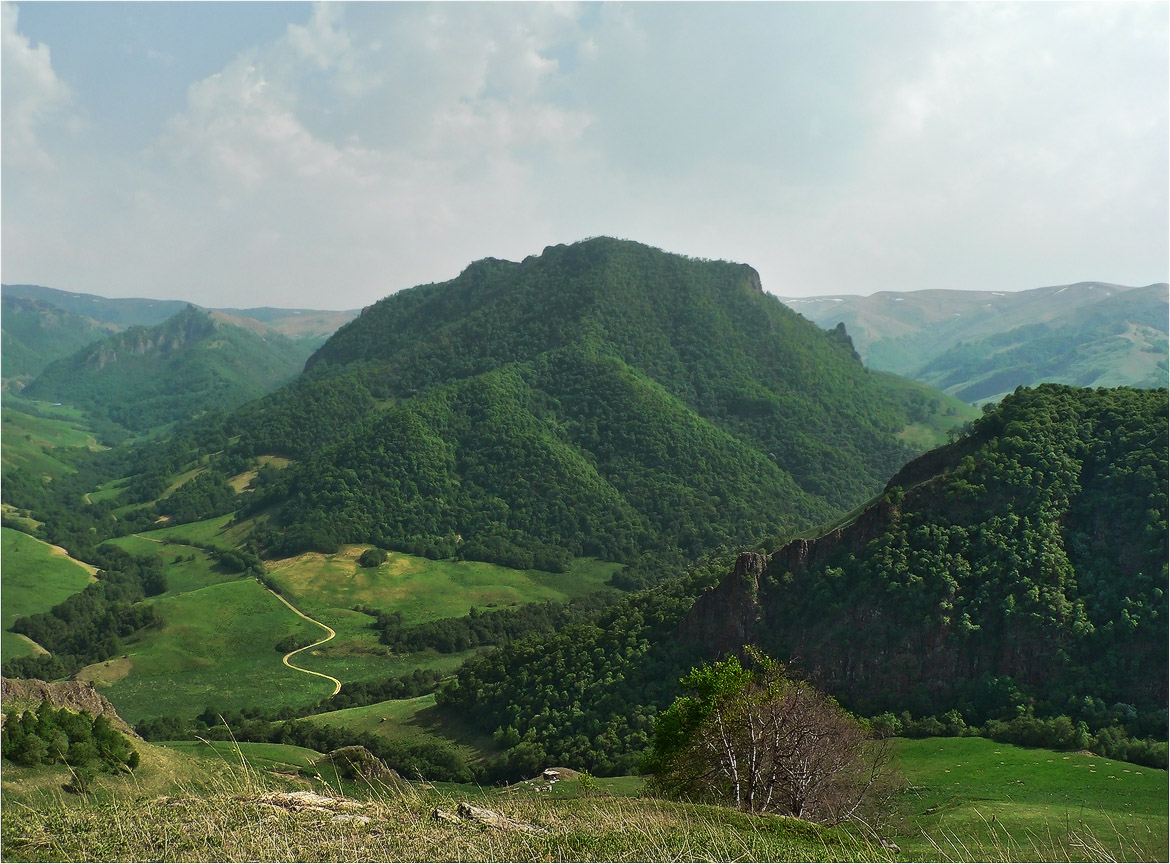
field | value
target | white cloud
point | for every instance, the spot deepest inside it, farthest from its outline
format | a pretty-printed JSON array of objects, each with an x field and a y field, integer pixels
[
  {"x": 33, "y": 94},
  {"x": 320, "y": 40},
  {"x": 388, "y": 196},
  {"x": 836, "y": 147}
]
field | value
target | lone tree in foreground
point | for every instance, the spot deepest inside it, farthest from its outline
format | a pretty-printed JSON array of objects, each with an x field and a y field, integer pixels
[{"x": 763, "y": 742}]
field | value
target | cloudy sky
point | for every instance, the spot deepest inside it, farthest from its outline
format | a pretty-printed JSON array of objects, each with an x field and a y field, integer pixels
[{"x": 324, "y": 156}]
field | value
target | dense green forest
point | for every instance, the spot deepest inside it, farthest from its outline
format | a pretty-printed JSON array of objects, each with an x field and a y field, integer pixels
[
  {"x": 587, "y": 695},
  {"x": 36, "y": 334},
  {"x": 1022, "y": 568},
  {"x": 188, "y": 365},
  {"x": 602, "y": 399},
  {"x": 1013, "y": 581}
]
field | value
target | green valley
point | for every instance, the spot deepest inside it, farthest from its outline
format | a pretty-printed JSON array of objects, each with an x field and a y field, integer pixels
[{"x": 523, "y": 505}]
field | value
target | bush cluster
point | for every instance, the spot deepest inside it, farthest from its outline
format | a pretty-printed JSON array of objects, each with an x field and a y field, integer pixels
[{"x": 49, "y": 736}]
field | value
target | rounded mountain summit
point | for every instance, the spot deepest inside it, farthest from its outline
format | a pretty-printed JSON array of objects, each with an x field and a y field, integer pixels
[{"x": 603, "y": 398}]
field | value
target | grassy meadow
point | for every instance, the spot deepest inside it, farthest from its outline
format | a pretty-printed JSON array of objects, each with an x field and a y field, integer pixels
[
  {"x": 28, "y": 441},
  {"x": 422, "y": 589},
  {"x": 203, "y": 801},
  {"x": 272, "y": 758},
  {"x": 36, "y": 577},
  {"x": 218, "y": 533},
  {"x": 975, "y": 799},
  {"x": 413, "y": 720},
  {"x": 328, "y": 587},
  {"x": 216, "y": 649}
]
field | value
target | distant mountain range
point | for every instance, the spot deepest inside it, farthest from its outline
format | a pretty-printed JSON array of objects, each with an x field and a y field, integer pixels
[
  {"x": 42, "y": 324},
  {"x": 191, "y": 363},
  {"x": 980, "y": 345},
  {"x": 35, "y": 333}
]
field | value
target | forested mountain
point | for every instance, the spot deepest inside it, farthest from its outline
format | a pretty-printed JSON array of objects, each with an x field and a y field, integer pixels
[
  {"x": 980, "y": 345},
  {"x": 189, "y": 365},
  {"x": 1017, "y": 573},
  {"x": 1026, "y": 562},
  {"x": 36, "y": 333},
  {"x": 600, "y": 399}
]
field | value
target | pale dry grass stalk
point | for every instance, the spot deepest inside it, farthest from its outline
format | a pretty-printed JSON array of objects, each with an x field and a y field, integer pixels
[{"x": 219, "y": 817}]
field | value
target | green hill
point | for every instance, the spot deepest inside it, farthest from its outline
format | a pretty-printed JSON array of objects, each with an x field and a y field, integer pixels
[
  {"x": 41, "y": 325},
  {"x": 188, "y": 365},
  {"x": 37, "y": 333},
  {"x": 599, "y": 399},
  {"x": 36, "y": 577},
  {"x": 1015, "y": 575},
  {"x": 981, "y": 345},
  {"x": 1022, "y": 567}
]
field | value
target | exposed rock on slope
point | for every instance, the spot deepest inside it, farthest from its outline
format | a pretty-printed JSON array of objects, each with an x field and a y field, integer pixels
[{"x": 75, "y": 695}]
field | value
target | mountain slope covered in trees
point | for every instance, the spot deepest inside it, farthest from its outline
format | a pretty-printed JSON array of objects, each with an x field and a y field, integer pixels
[
  {"x": 1023, "y": 565},
  {"x": 42, "y": 324},
  {"x": 600, "y": 399},
  {"x": 186, "y": 366},
  {"x": 37, "y": 333},
  {"x": 1017, "y": 573},
  {"x": 980, "y": 345}
]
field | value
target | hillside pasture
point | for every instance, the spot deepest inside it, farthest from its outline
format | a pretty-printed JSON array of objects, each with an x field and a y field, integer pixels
[
  {"x": 109, "y": 491},
  {"x": 413, "y": 721},
  {"x": 36, "y": 577},
  {"x": 976, "y": 799},
  {"x": 31, "y": 442},
  {"x": 216, "y": 649},
  {"x": 422, "y": 589},
  {"x": 218, "y": 533},
  {"x": 188, "y": 568},
  {"x": 283, "y": 758}
]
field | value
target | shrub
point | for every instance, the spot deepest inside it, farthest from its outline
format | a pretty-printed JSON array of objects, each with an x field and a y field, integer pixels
[
  {"x": 763, "y": 742},
  {"x": 372, "y": 557}
]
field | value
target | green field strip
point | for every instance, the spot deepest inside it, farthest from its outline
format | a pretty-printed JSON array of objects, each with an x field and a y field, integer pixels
[{"x": 35, "y": 578}]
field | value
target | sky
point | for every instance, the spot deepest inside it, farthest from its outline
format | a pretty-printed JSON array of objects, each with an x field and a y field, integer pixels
[{"x": 326, "y": 155}]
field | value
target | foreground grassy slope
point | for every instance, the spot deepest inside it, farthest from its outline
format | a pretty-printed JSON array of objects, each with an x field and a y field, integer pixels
[
  {"x": 971, "y": 797},
  {"x": 36, "y": 577},
  {"x": 1008, "y": 805}
]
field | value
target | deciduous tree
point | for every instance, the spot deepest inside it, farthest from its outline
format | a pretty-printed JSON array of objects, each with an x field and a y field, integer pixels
[{"x": 763, "y": 742}]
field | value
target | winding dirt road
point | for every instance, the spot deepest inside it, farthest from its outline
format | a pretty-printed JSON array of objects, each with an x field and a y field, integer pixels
[{"x": 326, "y": 628}]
